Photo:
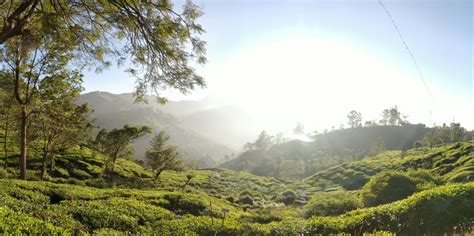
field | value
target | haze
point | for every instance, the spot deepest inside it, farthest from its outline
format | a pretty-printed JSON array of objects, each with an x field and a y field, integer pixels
[{"x": 314, "y": 61}]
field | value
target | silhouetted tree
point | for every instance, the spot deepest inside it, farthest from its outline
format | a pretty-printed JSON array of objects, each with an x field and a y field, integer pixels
[
  {"x": 392, "y": 116},
  {"x": 263, "y": 142},
  {"x": 355, "y": 119},
  {"x": 299, "y": 129}
]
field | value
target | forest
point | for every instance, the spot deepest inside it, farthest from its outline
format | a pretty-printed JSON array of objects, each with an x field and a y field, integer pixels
[{"x": 77, "y": 163}]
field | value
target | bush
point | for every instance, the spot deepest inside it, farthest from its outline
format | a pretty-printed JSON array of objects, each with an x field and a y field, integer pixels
[
  {"x": 332, "y": 203},
  {"x": 424, "y": 179},
  {"x": 386, "y": 187},
  {"x": 246, "y": 200},
  {"x": 3, "y": 173},
  {"x": 288, "y": 197},
  {"x": 230, "y": 199}
]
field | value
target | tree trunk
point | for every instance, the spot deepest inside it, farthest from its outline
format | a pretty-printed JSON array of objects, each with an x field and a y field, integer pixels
[
  {"x": 23, "y": 149},
  {"x": 5, "y": 141},
  {"x": 51, "y": 163},
  {"x": 113, "y": 166},
  {"x": 43, "y": 168},
  {"x": 158, "y": 173}
]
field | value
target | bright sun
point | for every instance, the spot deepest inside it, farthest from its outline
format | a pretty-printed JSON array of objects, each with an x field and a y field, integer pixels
[{"x": 299, "y": 79}]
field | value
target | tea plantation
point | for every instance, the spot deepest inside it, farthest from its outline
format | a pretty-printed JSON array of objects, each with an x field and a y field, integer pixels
[{"x": 426, "y": 191}]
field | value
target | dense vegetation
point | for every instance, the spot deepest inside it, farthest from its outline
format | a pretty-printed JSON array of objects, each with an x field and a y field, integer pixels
[
  {"x": 61, "y": 174},
  {"x": 269, "y": 156},
  {"x": 227, "y": 202}
]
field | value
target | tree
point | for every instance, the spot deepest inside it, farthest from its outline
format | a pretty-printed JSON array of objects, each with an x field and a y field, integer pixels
[
  {"x": 263, "y": 142},
  {"x": 457, "y": 132},
  {"x": 117, "y": 143},
  {"x": 392, "y": 116},
  {"x": 26, "y": 63},
  {"x": 162, "y": 156},
  {"x": 299, "y": 129},
  {"x": 61, "y": 123},
  {"x": 8, "y": 112},
  {"x": 355, "y": 119},
  {"x": 433, "y": 138},
  {"x": 159, "y": 42}
]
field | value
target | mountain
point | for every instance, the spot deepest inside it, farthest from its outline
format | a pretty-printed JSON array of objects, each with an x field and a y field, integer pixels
[{"x": 114, "y": 111}]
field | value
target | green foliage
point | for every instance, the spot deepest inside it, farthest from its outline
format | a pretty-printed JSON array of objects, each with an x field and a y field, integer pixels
[
  {"x": 287, "y": 197},
  {"x": 332, "y": 203},
  {"x": 452, "y": 163},
  {"x": 117, "y": 143},
  {"x": 246, "y": 200},
  {"x": 386, "y": 187},
  {"x": 160, "y": 43},
  {"x": 298, "y": 159},
  {"x": 162, "y": 156}
]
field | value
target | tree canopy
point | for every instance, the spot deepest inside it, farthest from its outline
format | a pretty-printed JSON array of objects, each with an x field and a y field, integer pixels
[
  {"x": 163, "y": 156},
  {"x": 116, "y": 143},
  {"x": 159, "y": 43}
]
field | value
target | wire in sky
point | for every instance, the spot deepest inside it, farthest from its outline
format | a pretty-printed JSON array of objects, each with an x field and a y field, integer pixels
[{"x": 406, "y": 46}]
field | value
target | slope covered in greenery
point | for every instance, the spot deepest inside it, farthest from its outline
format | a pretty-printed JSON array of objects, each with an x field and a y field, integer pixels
[
  {"x": 33, "y": 207},
  {"x": 451, "y": 163},
  {"x": 113, "y": 111},
  {"x": 299, "y": 159},
  {"x": 225, "y": 202}
]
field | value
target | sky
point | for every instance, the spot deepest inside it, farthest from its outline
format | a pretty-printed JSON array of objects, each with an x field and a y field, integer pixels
[{"x": 313, "y": 61}]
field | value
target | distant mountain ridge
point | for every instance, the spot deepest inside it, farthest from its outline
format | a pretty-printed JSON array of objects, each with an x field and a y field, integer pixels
[{"x": 114, "y": 111}]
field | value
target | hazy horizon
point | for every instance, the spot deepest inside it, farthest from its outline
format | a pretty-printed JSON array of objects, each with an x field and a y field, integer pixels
[{"x": 314, "y": 61}]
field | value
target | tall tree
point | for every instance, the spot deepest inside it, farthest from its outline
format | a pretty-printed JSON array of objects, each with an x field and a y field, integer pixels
[
  {"x": 299, "y": 129},
  {"x": 26, "y": 63},
  {"x": 263, "y": 142},
  {"x": 457, "y": 132},
  {"x": 61, "y": 123},
  {"x": 8, "y": 112},
  {"x": 160, "y": 43},
  {"x": 392, "y": 116},
  {"x": 117, "y": 143},
  {"x": 355, "y": 119},
  {"x": 433, "y": 138},
  {"x": 162, "y": 156}
]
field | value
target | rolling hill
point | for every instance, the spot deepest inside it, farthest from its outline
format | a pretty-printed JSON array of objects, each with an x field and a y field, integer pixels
[
  {"x": 114, "y": 111},
  {"x": 299, "y": 159},
  {"x": 224, "y": 202}
]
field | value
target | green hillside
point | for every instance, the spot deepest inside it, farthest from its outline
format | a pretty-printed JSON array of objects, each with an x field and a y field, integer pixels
[
  {"x": 451, "y": 163},
  {"x": 113, "y": 111},
  {"x": 78, "y": 198},
  {"x": 299, "y": 159},
  {"x": 45, "y": 208}
]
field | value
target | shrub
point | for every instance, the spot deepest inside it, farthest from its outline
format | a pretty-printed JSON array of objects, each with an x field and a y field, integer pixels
[
  {"x": 246, "y": 200},
  {"x": 230, "y": 199},
  {"x": 288, "y": 197},
  {"x": 386, "y": 187},
  {"x": 332, "y": 203},
  {"x": 183, "y": 204},
  {"x": 3, "y": 173}
]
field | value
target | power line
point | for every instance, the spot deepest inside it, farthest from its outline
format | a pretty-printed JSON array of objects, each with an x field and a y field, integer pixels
[{"x": 406, "y": 47}]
